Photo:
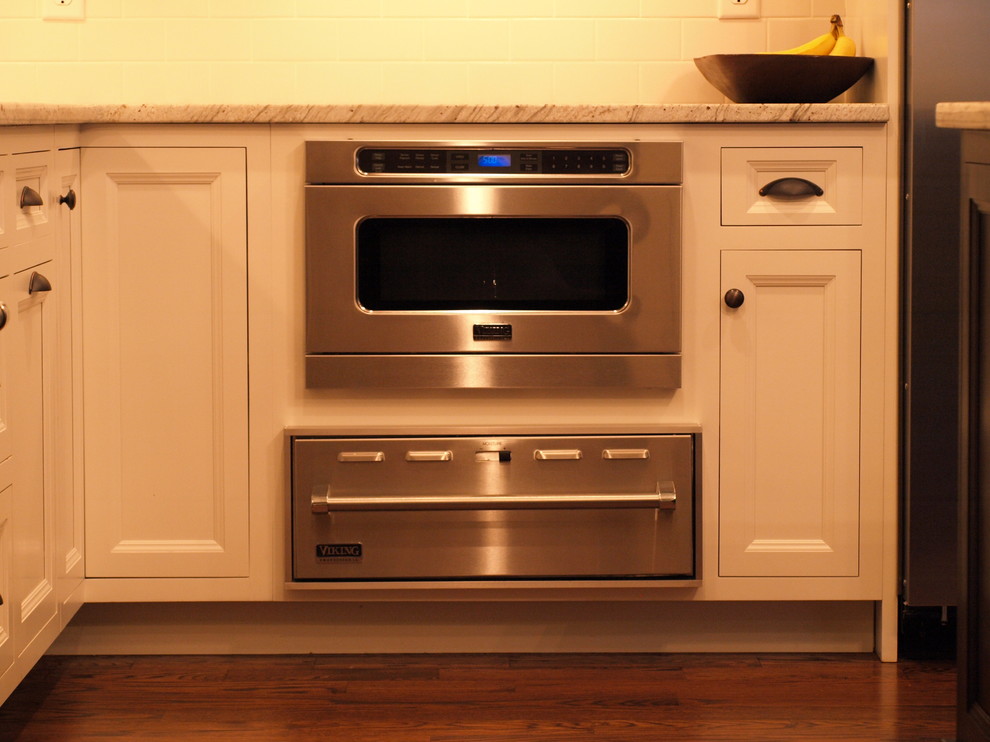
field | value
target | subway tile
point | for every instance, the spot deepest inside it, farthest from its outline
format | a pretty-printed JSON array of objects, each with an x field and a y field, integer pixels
[
  {"x": 103, "y": 8},
  {"x": 251, "y": 9},
  {"x": 602, "y": 82},
  {"x": 825, "y": 8},
  {"x": 424, "y": 83},
  {"x": 424, "y": 8},
  {"x": 159, "y": 9},
  {"x": 511, "y": 8},
  {"x": 216, "y": 39},
  {"x": 557, "y": 40},
  {"x": 92, "y": 82},
  {"x": 477, "y": 39},
  {"x": 786, "y": 8},
  {"x": 385, "y": 40},
  {"x": 681, "y": 82},
  {"x": 21, "y": 82},
  {"x": 35, "y": 40},
  {"x": 339, "y": 82},
  {"x": 18, "y": 9},
  {"x": 679, "y": 8},
  {"x": 703, "y": 37},
  {"x": 253, "y": 82},
  {"x": 338, "y": 8},
  {"x": 294, "y": 39},
  {"x": 166, "y": 82},
  {"x": 596, "y": 8},
  {"x": 123, "y": 40},
  {"x": 523, "y": 83},
  {"x": 646, "y": 39}
]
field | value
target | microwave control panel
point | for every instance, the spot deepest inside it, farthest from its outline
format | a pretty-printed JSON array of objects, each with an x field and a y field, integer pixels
[{"x": 462, "y": 160}]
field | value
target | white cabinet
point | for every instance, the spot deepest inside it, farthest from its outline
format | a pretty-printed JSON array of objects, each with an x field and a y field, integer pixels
[
  {"x": 35, "y": 422},
  {"x": 790, "y": 386},
  {"x": 164, "y": 338}
]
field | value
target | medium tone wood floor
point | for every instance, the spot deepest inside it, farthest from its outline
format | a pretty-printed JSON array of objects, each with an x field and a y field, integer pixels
[{"x": 456, "y": 698}]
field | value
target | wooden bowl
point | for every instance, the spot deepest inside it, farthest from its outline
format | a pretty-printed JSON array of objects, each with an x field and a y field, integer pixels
[{"x": 782, "y": 78}]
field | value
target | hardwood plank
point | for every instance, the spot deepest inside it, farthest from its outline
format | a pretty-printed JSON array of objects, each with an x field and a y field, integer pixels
[{"x": 497, "y": 698}]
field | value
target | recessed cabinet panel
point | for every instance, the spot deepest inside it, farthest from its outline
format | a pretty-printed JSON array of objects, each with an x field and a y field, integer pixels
[
  {"x": 6, "y": 204},
  {"x": 792, "y": 186},
  {"x": 164, "y": 301},
  {"x": 789, "y": 433}
]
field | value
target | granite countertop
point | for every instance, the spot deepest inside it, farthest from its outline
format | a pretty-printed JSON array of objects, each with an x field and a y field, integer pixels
[
  {"x": 963, "y": 115},
  {"x": 679, "y": 113}
]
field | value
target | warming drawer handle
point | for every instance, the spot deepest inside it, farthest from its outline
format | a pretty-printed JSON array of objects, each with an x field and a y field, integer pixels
[
  {"x": 557, "y": 454},
  {"x": 665, "y": 498}
]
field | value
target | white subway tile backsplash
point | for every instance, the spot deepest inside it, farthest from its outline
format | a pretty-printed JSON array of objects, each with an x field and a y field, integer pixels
[
  {"x": 361, "y": 51},
  {"x": 640, "y": 39},
  {"x": 552, "y": 39}
]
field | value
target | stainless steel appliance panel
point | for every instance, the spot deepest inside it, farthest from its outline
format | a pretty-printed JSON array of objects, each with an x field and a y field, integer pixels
[
  {"x": 495, "y": 507},
  {"x": 648, "y": 323}
]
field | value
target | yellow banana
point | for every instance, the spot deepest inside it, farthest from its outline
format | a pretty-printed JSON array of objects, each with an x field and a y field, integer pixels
[
  {"x": 820, "y": 45},
  {"x": 844, "y": 46}
]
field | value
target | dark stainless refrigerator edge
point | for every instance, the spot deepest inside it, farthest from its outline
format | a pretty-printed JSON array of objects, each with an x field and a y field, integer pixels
[{"x": 945, "y": 42}]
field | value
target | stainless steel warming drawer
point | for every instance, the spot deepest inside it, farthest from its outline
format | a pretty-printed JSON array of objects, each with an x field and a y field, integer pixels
[{"x": 494, "y": 507}]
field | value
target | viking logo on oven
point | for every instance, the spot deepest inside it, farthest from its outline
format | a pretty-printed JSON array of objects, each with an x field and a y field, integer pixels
[{"x": 339, "y": 552}]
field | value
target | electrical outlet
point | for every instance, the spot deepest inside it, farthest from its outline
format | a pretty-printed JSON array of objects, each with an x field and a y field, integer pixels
[
  {"x": 72, "y": 10},
  {"x": 731, "y": 8}
]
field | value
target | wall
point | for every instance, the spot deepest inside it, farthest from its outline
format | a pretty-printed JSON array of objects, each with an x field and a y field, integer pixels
[{"x": 387, "y": 51}]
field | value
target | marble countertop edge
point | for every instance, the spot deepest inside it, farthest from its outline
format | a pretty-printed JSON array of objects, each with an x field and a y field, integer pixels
[{"x": 682, "y": 113}]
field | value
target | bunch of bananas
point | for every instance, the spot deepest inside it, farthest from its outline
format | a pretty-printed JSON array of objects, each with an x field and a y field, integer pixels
[{"x": 833, "y": 43}]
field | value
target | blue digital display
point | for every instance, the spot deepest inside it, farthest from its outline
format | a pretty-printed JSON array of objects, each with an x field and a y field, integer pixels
[{"x": 494, "y": 160}]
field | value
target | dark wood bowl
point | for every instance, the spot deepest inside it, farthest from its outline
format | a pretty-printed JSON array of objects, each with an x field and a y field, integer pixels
[{"x": 782, "y": 78}]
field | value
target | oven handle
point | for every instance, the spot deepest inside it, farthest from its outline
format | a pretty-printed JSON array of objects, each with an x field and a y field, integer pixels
[{"x": 665, "y": 498}]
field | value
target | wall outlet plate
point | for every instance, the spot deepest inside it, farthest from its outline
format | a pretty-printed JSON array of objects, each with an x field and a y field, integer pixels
[
  {"x": 734, "y": 8},
  {"x": 69, "y": 10}
]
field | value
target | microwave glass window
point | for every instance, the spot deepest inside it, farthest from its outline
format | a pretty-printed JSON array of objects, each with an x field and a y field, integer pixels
[{"x": 493, "y": 263}]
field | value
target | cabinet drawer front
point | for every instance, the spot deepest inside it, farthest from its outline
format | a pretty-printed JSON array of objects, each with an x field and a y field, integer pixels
[{"x": 748, "y": 171}]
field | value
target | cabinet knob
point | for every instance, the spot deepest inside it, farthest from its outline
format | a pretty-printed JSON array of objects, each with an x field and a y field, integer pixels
[
  {"x": 30, "y": 197},
  {"x": 734, "y": 298},
  {"x": 3, "y": 324},
  {"x": 38, "y": 283},
  {"x": 69, "y": 199}
]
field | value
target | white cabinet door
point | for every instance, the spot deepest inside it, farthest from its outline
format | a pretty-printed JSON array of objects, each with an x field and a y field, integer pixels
[
  {"x": 790, "y": 412},
  {"x": 32, "y": 417},
  {"x": 164, "y": 301}
]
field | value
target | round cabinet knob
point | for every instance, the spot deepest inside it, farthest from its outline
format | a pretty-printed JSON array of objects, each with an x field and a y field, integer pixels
[
  {"x": 3, "y": 323},
  {"x": 734, "y": 298},
  {"x": 69, "y": 199}
]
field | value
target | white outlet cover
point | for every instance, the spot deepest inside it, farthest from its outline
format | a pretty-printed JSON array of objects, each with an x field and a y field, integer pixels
[
  {"x": 736, "y": 8},
  {"x": 66, "y": 10}
]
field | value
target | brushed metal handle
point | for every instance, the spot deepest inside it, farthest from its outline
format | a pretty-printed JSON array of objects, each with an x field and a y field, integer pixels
[
  {"x": 429, "y": 455},
  {"x": 30, "y": 197},
  {"x": 358, "y": 457},
  {"x": 625, "y": 453},
  {"x": 557, "y": 454},
  {"x": 664, "y": 498},
  {"x": 38, "y": 284}
]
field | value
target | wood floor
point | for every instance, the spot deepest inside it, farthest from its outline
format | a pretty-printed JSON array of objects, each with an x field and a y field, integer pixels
[{"x": 458, "y": 698}]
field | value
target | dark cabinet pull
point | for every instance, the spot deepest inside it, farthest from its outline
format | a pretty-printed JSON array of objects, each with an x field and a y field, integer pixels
[
  {"x": 30, "y": 197},
  {"x": 69, "y": 199},
  {"x": 791, "y": 188},
  {"x": 38, "y": 283},
  {"x": 734, "y": 298},
  {"x": 3, "y": 324}
]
